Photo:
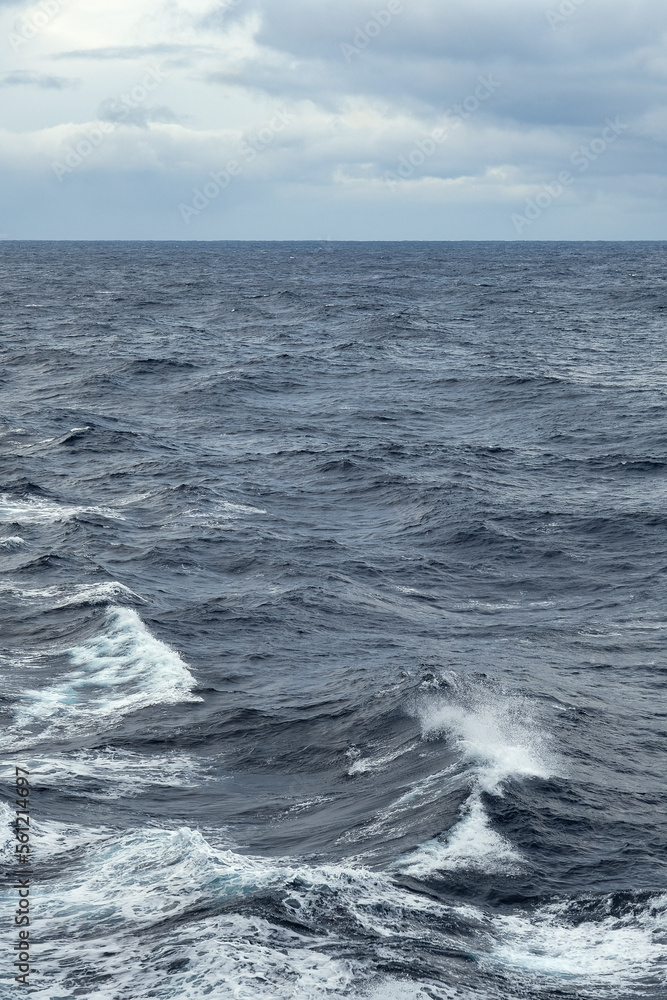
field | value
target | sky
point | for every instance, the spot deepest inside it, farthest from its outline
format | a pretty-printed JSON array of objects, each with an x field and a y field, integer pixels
[{"x": 333, "y": 119}]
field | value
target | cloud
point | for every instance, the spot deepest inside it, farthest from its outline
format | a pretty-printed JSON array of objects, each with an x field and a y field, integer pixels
[
  {"x": 118, "y": 113},
  {"x": 26, "y": 78},
  {"x": 174, "y": 53},
  {"x": 426, "y": 54},
  {"x": 367, "y": 84}
]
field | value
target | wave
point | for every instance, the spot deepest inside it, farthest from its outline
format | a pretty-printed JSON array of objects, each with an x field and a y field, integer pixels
[
  {"x": 366, "y": 765},
  {"x": 471, "y": 844},
  {"x": 113, "y": 773},
  {"x": 74, "y": 435},
  {"x": 618, "y": 949},
  {"x": 497, "y": 734},
  {"x": 168, "y": 886},
  {"x": 134, "y": 904},
  {"x": 152, "y": 366},
  {"x": 40, "y": 511},
  {"x": 13, "y": 542},
  {"x": 498, "y": 737},
  {"x": 73, "y": 595},
  {"x": 118, "y": 672},
  {"x": 218, "y": 513}
]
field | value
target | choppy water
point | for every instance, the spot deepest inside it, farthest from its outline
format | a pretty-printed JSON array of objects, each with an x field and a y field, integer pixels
[{"x": 333, "y": 627}]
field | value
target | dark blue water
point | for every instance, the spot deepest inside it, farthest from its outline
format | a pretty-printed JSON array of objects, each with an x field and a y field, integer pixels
[{"x": 333, "y": 625}]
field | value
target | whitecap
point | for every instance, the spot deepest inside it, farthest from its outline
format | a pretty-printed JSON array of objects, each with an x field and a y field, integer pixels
[
  {"x": 72, "y": 595},
  {"x": 497, "y": 735},
  {"x": 39, "y": 511},
  {"x": 123, "y": 669},
  {"x": 13, "y": 542},
  {"x": 471, "y": 844},
  {"x": 220, "y": 514},
  {"x": 131, "y": 903},
  {"x": 614, "y": 950},
  {"x": 499, "y": 738},
  {"x": 114, "y": 773},
  {"x": 365, "y": 765},
  {"x": 126, "y": 902}
]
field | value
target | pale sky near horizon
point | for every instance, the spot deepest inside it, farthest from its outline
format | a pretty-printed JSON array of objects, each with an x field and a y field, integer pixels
[{"x": 333, "y": 119}]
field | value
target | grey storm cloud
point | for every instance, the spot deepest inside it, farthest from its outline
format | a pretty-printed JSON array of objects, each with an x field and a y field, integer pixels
[
  {"x": 424, "y": 55},
  {"x": 463, "y": 29}
]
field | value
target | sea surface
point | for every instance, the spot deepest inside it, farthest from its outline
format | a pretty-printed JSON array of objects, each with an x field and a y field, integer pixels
[{"x": 333, "y": 618}]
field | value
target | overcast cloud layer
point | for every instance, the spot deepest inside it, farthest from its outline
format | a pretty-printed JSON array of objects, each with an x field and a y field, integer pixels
[{"x": 333, "y": 119}]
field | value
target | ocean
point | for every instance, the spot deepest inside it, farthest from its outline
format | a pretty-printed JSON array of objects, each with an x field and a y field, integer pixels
[{"x": 333, "y": 625}]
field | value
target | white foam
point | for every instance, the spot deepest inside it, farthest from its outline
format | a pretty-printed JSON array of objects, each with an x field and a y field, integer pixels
[
  {"x": 395, "y": 819},
  {"x": 124, "y": 669},
  {"x": 129, "y": 904},
  {"x": 471, "y": 844},
  {"x": 7, "y": 816},
  {"x": 369, "y": 764},
  {"x": 177, "y": 866},
  {"x": 499, "y": 738},
  {"x": 220, "y": 514},
  {"x": 114, "y": 773},
  {"x": 614, "y": 951},
  {"x": 46, "y": 511},
  {"x": 234, "y": 509},
  {"x": 133, "y": 498},
  {"x": 246, "y": 958},
  {"x": 130, "y": 879},
  {"x": 397, "y": 989},
  {"x": 13, "y": 542},
  {"x": 73, "y": 594},
  {"x": 228, "y": 957},
  {"x": 97, "y": 593},
  {"x": 427, "y": 790},
  {"x": 116, "y": 887}
]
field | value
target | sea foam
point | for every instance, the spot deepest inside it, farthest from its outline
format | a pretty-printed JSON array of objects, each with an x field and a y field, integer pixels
[
  {"x": 499, "y": 739},
  {"x": 40, "y": 511},
  {"x": 123, "y": 669},
  {"x": 615, "y": 950}
]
